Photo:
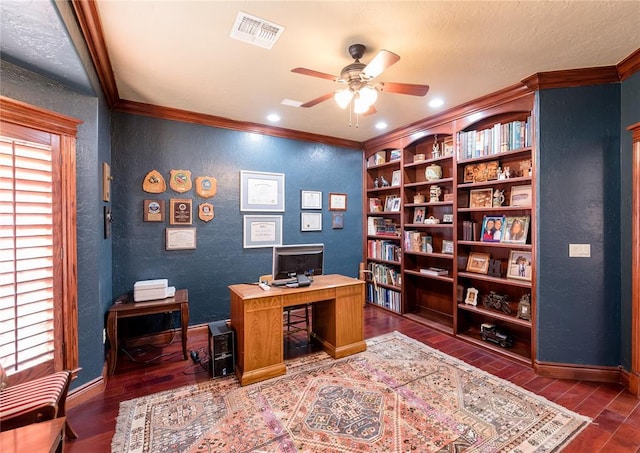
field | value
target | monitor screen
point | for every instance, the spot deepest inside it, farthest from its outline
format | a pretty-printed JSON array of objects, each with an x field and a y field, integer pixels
[{"x": 299, "y": 259}]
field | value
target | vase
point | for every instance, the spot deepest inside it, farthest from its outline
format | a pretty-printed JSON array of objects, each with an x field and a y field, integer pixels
[{"x": 433, "y": 172}]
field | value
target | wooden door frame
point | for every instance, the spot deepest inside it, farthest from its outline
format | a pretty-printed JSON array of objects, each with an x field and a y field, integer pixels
[{"x": 634, "y": 373}]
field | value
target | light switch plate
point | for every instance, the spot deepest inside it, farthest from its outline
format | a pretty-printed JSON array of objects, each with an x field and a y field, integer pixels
[{"x": 579, "y": 250}]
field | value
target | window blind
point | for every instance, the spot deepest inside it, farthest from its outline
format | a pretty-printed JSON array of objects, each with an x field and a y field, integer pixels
[{"x": 27, "y": 303}]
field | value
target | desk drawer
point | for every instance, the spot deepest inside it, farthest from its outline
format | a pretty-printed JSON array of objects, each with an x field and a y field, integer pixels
[{"x": 304, "y": 297}]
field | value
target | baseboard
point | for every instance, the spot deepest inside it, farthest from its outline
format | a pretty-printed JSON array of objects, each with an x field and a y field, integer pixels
[
  {"x": 631, "y": 381},
  {"x": 87, "y": 391},
  {"x": 578, "y": 372}
]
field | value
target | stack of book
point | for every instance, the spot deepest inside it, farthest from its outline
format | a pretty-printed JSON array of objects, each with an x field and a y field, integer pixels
[
  {"x": 436, "y": 271},
  {"x": 469, "y": 231},
  {"x": 379, "y": 226}
]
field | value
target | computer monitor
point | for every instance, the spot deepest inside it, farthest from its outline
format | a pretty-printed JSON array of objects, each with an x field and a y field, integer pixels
[{"x": 298, "y": 259}]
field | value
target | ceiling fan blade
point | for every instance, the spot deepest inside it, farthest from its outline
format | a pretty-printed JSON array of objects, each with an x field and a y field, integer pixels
[
  {"x": 371, "y": 111},
  {"x": 318, "y": 100},
  {"x": 403, "y": 88},
  {"x": 380, "y": 62},
  {"x": 311, "y": 72}
]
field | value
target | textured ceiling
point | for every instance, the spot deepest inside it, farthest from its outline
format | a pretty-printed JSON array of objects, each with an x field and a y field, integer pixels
[{"x": 178, "y": 53}]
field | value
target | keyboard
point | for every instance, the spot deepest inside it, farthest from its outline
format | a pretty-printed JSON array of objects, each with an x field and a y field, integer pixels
[{"x": 284, "y": 281}]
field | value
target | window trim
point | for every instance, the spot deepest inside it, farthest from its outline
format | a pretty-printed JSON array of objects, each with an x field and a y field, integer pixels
[{"x": 66, "y": 128}]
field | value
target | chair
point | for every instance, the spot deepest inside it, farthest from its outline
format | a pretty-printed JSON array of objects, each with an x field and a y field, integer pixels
[
  {"x": 35, "y": 401},
  {"x": 294, "y": 320}
]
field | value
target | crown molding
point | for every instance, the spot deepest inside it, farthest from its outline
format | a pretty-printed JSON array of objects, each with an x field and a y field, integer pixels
[
  {"x": 629, "y": 66},
  {"x": 572, "y": 78}
]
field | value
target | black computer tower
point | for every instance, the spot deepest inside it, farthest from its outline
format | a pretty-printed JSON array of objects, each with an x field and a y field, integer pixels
[{"x": 221, "y": 349}]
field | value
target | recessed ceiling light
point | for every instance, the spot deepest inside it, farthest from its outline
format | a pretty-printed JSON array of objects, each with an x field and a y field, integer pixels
[
  {"x": 436, "y": 102},
  {"x": 273, "y": 117},
  {"x": 381, "y": 125}
]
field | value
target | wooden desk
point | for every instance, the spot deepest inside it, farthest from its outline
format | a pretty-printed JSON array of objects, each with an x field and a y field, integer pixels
[
  {"x": 256, "y": 316},
  {"x": 124, "y": 307},
  {"x": 37, "y": 437}
]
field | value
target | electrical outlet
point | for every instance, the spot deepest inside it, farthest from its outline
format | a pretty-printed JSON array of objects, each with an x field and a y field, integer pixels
[{"x": 104, "y": 336}]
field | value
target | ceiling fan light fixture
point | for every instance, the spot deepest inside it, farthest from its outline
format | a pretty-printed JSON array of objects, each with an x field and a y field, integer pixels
[
  {"x": 343, "y": 97},
  {"x": 368, "y": 95}
]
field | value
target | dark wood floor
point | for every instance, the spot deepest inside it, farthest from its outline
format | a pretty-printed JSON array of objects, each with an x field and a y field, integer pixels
[{"x": 615, "y": 413}]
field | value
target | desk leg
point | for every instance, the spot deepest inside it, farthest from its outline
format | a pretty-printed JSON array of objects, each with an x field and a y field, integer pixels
[
  {"x": 184, "y": 318},
  {"x": 112, "y": 333}
]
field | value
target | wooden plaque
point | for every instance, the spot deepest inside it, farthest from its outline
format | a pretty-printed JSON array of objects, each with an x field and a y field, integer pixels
[
  {"x": 205, "y": 212},
  {"x": 180, "y": 180},
  {"x": 206, "y": 186},
  {"x": 154, "y": 182}
]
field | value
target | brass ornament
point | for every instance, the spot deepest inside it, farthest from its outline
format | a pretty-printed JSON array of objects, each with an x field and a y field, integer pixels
[
  {"x": 154, "y": 182},
  {"x": 206, "y": 186},
  {"x": 205, "y": 212},
  {"x": 180, "y": 180}
]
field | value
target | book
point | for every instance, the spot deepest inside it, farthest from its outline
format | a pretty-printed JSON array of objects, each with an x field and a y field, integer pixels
[
  {"x": 434, "y": 271},
  {"x": 395, "y": 154},
  {"x": 380, "y": 157}
]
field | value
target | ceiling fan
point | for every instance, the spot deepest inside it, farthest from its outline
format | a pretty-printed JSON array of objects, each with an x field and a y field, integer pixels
[{"x": 358, "y": 77}]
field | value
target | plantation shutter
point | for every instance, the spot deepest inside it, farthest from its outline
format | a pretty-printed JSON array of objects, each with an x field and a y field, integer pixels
[{"x": 30, "y": 251}]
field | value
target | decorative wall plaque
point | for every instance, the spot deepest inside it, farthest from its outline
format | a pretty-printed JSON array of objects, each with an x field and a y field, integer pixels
[
  {"x": 180, "y": 211},
  {"x": 154, "y": 210},
  {"x": 206, "y": 186},
  {"x": 154, "y": 182},
  {"x": 180, "y": 180},
  {"x": 205, "y": 212}
]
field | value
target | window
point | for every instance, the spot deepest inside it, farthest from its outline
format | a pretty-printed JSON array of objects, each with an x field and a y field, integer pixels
[{"x": 38, "y": 321}]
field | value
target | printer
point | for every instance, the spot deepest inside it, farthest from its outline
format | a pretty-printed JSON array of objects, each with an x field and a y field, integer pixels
[{"x": 144, "y": 290}]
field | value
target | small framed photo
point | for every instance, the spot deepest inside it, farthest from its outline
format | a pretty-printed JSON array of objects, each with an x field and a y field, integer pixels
[
  {"x": 310, "y": 199},
  {"x": 395, "y": 178},
  {"x": 418, "y": 214},
  {"x": 337, "y": 202},
  {"x": 261, "y": 231},
  {"x": 481, "y": 198},
  {"x": 447, "y": 247},
  {"x": 516, "y": 230},
  {"x": 492, "y": 228},
  {"x": 180, "y": 238},
  {"x": 337, "y": 220},
  {"x": 311, "y": 221},
  {"x": 181, "y": 213},
  {"x": 520, "y": 196},
  {"x": 153, "y": 211},
  {"x": 472, "y": 297},
  {"x": 519, "y": 266},
  {"x": 478, "y": 262}
]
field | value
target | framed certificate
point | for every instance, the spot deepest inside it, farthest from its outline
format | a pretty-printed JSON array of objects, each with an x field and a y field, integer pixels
[
  {"x": 311, "y": 221},
  {"x": 310, "y": 199},
  {"x": 337, "y": 202},
  {"x": 261, "y": 191},
  {"x": 262, "y": 231},
  {"x": 180, "y": 238}
]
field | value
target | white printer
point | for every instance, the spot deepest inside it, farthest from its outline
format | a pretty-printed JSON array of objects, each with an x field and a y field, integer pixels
[{"x": 152, "y": 290}]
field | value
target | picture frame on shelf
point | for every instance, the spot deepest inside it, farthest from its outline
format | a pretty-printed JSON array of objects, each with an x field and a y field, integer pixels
[
  {"x": 516, "y": 229},
  {"x": 310, "y": 199},
  {"x": 447, "y": 247},
  {"x": 418, "y": 214},
  {"x": 481, "y": 198},
  {"x": 395, "y": 178},
  {"x": 472, "y": 297},
  {"x": 337, "y": 202},
  {"x": 478, "y": 262},
  {"x": 492, "y": 228},
  {"x": 375, "y": 205},
  {"x": 520, "y": 266},
  {"x": 520, "y": 196},
  {"x": 481, "y": 172}
]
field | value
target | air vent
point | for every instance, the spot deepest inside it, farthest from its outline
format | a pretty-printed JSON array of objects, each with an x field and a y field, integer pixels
[{"x": 256, "y": 31}]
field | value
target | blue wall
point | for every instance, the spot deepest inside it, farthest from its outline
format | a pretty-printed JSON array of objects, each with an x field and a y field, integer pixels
[
  {"x": 578, "y": 299},
  {"x": 141, "y": 144},
  {"x": 629, "y": 114}
]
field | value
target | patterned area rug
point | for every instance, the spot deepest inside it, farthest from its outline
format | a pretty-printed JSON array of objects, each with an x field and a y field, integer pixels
[{"x": 398, "y": 396}]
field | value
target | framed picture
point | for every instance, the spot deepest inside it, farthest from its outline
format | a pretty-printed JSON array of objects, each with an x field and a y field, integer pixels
[
  {"x": 516, "y": 230},
  {"x": 310, "y": 199},
  {"x": 395, "y": 178},
  {"x": 153, "y": 210},
  {"x": 418, "y": 214},
  {"x": 180, "y": 209},
  {"x": 261, "y": 231},
  {"x": 447, "y": 247},
  {"x": 472, "y": 297},
  {"x": 520, "y": 196},
  {"x": 485, "y": 171},
  {"x": 337, "y": 220},
  {"x": 261, "y": 191},
  {"x": 337, "y": 202},
  {"x": 481, "y": 198},
  {"x": 478, "y": 262},
  {"x": 519, "y": 266},
  {"x": 180, "y": 238},
  {"x": 311, "y": 221},
  {"x": 492, "y": 228}
]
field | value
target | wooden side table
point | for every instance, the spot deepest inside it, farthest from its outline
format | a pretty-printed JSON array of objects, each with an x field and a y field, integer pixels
[
  {"x": 37, "y": 437},
  {"x": 124, "y": 307}
]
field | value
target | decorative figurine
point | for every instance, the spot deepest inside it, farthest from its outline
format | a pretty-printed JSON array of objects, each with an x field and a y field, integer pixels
[
  {"x": 498, "y": 198},
  {"x": 434, "y": 194},
  {"x": 524, "y": 307},
  {"x": 495, "y": 268},
  {"x": 376, "y": 183},
  {"x": 385, "y": 183},
  {"x": 493, "y": 300},
  {"x": 507, "y": 173},
  {"x": 490, "y": 332},
  {"x": 435, "y": 148}
]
